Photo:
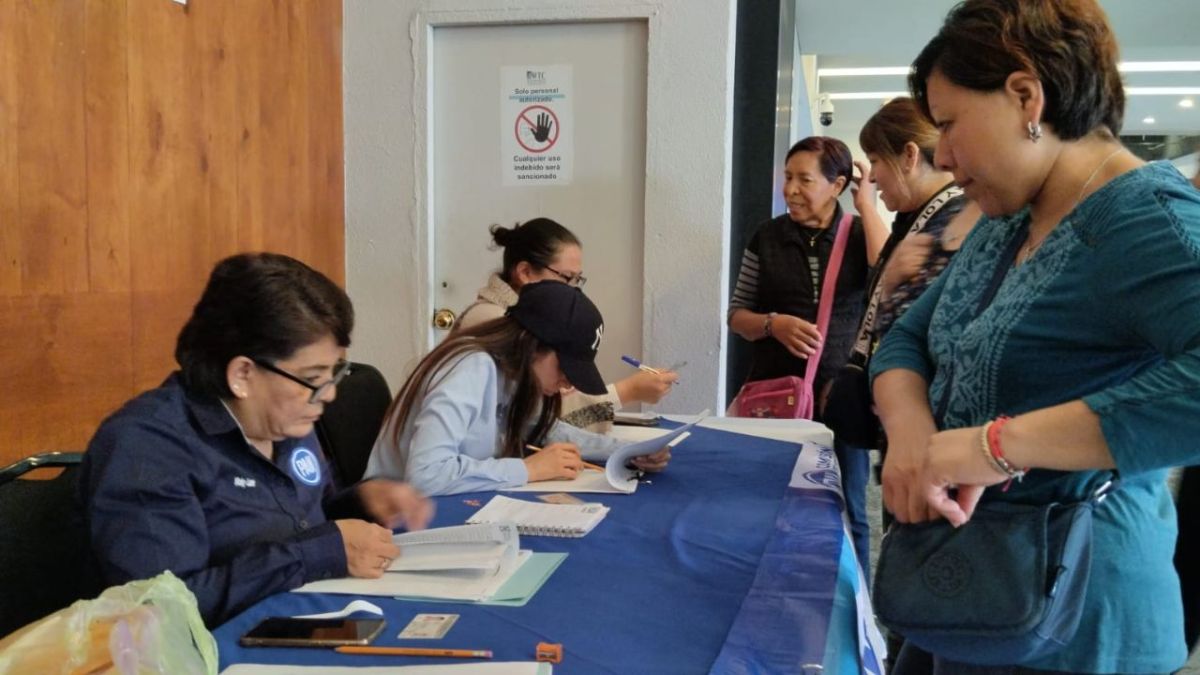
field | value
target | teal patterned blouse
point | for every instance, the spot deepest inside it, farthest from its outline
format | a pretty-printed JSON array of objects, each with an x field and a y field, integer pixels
[{"x": 1107, "y": 310}]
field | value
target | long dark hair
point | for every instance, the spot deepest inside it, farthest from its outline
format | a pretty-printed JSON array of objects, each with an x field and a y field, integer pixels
[
  {"x": 536, "y": 242},
  {"x": 263, "y": 305},
  {"x": 513, "y": 349}
]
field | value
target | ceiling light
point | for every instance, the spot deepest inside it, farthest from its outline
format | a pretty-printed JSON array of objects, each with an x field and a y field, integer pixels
[
  {"x": 1162, "y": 91},
  {"x": 1148, "y": 120},
  {"x": 1124, "y": 67},
  {"x": 862, "y": 72},
  {"x": 858, "y": 95},
  {"x": 1186, "y": 103},
  {"x": 1159, "y": 66}
]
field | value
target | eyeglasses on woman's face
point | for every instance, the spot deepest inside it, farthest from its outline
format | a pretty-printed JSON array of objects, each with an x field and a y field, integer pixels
[
  {"x": 340, "y": 370},
  {"x": 576, "y": 280}
]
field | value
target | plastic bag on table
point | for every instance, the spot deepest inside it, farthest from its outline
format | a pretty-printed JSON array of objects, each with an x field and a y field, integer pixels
[{"x": 146, "y": 626}]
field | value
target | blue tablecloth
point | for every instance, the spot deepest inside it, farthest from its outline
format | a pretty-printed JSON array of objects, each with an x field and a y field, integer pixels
[{"x": 655, "y": 588}]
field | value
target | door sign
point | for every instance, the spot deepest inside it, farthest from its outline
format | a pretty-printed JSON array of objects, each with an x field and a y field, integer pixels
[{"x": 536, "y": 125}]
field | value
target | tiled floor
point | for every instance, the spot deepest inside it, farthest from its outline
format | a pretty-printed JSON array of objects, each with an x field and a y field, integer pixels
[{"x": 874, "y": 507}]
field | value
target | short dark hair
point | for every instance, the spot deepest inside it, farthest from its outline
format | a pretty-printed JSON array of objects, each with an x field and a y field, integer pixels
[
  {"x": 536, "y": 241},
  {"x": 834, "y": 156},
  {"x": 1067, "y": 44},
  {"x": 261, "y": 305}
]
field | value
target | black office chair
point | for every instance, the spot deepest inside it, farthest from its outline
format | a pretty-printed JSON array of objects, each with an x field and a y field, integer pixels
[
  {"x": 348, "y": 428},
  {"x": 43, "y": 541}
]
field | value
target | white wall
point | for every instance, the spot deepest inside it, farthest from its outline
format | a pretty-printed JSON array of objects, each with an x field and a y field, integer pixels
[{"x": 688, "y": 122}]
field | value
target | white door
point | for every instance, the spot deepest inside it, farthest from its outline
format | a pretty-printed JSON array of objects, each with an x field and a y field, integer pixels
[{"x": 598, "y": 127}]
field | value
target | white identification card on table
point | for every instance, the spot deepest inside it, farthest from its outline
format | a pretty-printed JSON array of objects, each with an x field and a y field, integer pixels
[{"x": 428, "y": 626}]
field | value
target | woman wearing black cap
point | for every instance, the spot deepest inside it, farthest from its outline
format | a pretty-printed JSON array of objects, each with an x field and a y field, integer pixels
[{"x": 462, "y": 420}]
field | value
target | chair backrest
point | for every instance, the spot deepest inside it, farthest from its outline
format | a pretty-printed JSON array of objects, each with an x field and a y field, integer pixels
[
  {"x": 348, "y": 428},
  {"x": 43, "y": 542}
]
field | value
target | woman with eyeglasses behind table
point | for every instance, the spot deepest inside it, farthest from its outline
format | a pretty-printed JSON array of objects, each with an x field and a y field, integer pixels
[
  {"x": 217, "y": 475},
  {"x": 543, "y": 250},
  {"x": 466, "y": 416}
]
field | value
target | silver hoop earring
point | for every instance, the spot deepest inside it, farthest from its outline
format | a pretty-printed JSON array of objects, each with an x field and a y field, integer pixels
[{"x": 1035, "y": 131}]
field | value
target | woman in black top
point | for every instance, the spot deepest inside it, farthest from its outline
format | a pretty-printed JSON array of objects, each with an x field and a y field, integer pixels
[
  {"x": 775, "y": 301},
  {"x": 778, "y": 289}
]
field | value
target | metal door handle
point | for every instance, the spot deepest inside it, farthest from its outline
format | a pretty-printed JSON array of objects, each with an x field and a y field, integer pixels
[{"x": 443, "y": 319}]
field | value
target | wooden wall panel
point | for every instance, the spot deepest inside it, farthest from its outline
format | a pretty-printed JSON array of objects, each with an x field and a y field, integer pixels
[
  {"x": 10, "y": 209},
  {"x": 107, "y": 122},
  {"x": 52, "y": 191},
  {"x": 73, "y": 369},
  {"x": 140, "y": 142},
  {"x": 324, "y": 162}
]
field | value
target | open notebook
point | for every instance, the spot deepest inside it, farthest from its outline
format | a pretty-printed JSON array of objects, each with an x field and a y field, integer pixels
[{"x": 535, "y": 518}]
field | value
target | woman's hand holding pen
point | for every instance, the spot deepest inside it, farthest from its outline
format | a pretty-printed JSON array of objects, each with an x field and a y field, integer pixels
[
  {"x": 646, "y": 386},
  {"x": 800, "y": 337},
  {"x": 557, "y": 460}
]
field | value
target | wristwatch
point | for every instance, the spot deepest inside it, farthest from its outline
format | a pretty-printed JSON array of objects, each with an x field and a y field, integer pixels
[{"x": 767, "y": 323}]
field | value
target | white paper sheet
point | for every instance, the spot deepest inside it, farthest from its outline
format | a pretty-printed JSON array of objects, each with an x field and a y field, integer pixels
[
  {"x": 616, "y": 477},
  {"x": 354, "y": 606},
  {"x": 468, "y": 585}
]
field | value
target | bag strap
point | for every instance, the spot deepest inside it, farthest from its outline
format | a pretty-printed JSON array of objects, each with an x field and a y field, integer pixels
[
  {"x": 866, "y": 329},
  {"x": 828, "y": 288}
]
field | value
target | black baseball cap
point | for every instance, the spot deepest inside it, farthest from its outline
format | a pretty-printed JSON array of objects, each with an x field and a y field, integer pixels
[{"x": 562, "y": 318}]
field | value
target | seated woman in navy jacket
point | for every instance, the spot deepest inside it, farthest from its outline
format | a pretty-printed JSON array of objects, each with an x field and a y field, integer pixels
[{"x": 217, "y": 475}]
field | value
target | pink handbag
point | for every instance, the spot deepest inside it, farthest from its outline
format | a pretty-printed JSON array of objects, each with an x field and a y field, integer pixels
[
  {"x": 791, "y": 397},
  {"x": 787, "y": 397}
]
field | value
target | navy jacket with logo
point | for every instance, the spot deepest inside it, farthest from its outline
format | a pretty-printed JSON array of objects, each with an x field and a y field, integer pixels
[{"x": 170, "y": 483}]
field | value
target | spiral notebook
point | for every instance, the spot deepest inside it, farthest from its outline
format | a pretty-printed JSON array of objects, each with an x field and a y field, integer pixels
[{"x": 539, "y": 519}]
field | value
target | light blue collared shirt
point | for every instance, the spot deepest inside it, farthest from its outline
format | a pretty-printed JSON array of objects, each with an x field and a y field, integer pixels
[{"x": 450, "y": 443}]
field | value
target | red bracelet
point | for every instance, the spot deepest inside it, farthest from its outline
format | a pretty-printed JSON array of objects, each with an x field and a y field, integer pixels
[{"x": 993, "y": 439}]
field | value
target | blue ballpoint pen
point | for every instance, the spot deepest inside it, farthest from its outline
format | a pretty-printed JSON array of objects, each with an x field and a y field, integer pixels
[{"x": 639, "y": 365}]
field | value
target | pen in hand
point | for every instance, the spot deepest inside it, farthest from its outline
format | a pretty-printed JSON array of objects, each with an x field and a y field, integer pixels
[
  {"x": 639, "y": 365},
  {"x": 645, "y": 368},
  {"x": 586, "y": 465}
]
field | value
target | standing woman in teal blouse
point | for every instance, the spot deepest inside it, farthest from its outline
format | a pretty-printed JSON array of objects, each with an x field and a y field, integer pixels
[{"x": 1092, "y": 340}]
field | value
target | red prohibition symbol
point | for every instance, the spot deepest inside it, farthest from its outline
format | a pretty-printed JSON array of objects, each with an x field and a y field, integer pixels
[{"x": 540, "y": 126}]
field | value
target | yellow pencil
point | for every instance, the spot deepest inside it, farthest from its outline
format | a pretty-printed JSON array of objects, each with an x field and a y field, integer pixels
[
  {"x": 586, "y": 465},
  {"x": 416, "y": 651}
]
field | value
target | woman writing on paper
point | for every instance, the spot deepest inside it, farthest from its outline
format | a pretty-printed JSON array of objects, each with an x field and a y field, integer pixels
[
  {"x": 1090, "y": 339},
  {"x": 465, "y": 416},
  {"x": 543, "y": 250},
  {"x": 217, "y": 476}
]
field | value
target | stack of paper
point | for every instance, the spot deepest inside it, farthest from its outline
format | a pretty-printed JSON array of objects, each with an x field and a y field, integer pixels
[
  {"x": 467, "y": 563},
  {"x": 486, "y": 548},
  {"x": 535, "y": 518}
]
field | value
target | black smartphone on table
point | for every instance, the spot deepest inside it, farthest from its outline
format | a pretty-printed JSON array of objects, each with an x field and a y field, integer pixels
[
  {"x": 283, "y": 631},
  {"x": 636, "y": 419}
]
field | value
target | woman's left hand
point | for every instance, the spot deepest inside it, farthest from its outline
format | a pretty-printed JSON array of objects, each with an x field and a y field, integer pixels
[
  {"x": 863, "y": 189},
  {"x": 392, "y": 504},
  {"x": 955, "y": 459},
  {"x": 655, "y": 462}
]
